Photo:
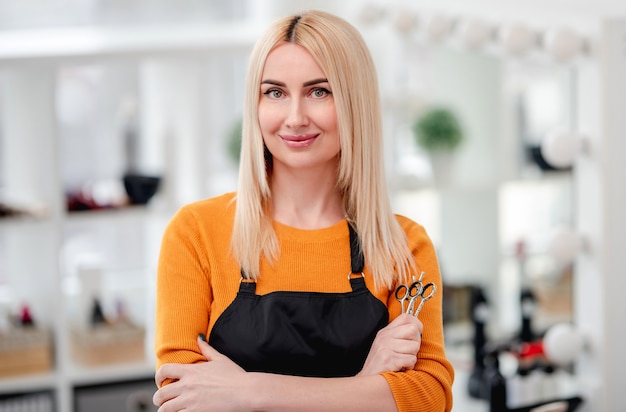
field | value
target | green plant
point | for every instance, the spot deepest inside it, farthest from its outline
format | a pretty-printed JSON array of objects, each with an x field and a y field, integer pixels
[
  {"x": 234, "y": 140},
  {"x": 438, "y": 129}
]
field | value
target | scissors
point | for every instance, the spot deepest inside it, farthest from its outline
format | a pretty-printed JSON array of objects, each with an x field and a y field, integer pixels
[
  {"x": 410, "y": 293},
  {"x": 417, "y": 290},
  {"x": 432, "y": 288}
]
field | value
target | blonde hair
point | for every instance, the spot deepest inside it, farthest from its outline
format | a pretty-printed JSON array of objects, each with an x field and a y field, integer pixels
[{"x": 342, "y": 54}]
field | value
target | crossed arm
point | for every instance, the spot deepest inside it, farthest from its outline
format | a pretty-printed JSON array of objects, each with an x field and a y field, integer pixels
[{"x": 221, "y": 385}]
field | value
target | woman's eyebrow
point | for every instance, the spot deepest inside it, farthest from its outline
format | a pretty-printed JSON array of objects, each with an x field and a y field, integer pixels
[
  {"x": 305, "y": 84},
  {"x": 274, "y": 82},
  {"x": 316, "y": 81}
]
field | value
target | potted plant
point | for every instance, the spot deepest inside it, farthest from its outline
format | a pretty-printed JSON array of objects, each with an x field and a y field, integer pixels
[
  {"x": 438, "y": 132},
  {"x": 234, "y": 140}
]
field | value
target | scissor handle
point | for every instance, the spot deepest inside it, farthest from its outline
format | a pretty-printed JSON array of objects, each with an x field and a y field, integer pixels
[
  {"x": 433, "y": 289},
  {"x": 402, "y": 292},
  {"x": 425, "y": 297}
]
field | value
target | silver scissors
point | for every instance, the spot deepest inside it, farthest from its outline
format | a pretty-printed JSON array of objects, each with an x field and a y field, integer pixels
[
  {"x": 410, "y": 293},
  {"x": 432, "y": 288},
  {"x": 404, "y": 292},
  {"x": 417, "y": 290}
]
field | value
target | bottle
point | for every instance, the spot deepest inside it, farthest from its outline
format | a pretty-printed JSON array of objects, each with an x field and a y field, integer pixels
[
  {"x": 477, "y": 385},
  {"x": 496, "y": 383}
]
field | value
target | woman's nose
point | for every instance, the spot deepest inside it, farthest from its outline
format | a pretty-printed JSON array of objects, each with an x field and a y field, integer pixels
[{"x": 297, "y": 115}]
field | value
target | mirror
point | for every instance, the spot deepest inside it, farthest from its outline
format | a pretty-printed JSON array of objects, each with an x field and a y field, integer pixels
[{"x": 493, "y": 217}]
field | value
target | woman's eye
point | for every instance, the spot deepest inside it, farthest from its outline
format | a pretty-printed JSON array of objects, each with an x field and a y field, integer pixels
[
  {"x": 320, "y": 92},
  {"x": 273, "y": 93}
]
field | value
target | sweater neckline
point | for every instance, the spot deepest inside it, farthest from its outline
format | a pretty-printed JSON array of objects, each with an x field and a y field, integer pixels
[{"x": 335, "y": 231}]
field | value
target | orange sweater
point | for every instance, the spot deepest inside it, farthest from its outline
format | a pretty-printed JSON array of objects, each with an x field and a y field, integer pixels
[{"x": 198, "y": 279}]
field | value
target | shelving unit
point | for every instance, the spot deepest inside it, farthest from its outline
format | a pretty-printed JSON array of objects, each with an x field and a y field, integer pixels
[{"x": 188, "y": 83}]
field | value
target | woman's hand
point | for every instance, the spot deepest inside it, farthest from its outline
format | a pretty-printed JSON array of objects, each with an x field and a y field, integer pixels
[
  {"x": 395, "y": 346},
  {"x": 215, "y": 385}
]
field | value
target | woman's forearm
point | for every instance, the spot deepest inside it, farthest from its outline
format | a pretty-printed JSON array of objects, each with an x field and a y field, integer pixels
[{"x": 271, "y": 392}]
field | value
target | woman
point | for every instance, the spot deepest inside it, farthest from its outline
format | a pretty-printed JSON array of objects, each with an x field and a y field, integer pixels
[{"x": 292, "y": 278}]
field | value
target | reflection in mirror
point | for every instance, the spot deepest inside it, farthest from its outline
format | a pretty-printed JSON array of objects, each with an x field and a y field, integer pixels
[
  {"x": 493, "y": 219},
  {"x": 460, "y": 211}
]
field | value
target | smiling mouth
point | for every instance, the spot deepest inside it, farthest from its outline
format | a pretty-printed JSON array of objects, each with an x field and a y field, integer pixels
[{"x": 300, "y": 140}]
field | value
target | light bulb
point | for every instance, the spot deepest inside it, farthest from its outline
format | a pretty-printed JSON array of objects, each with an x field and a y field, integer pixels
[
  {"x": 560, "y": 149},
  {"x": 475, "y": 33},
  {"x": 438, "y": 27},
  {"x": 563, "y": 44},
  {"x": 517, "y": 39},
  {"x": 405, "y": 21},
  {"x": 562, "y": 343},
  {"x": 564, "y": 245}
]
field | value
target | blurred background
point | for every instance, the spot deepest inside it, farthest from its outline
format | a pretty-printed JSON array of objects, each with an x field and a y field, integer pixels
[{"x": 504, "y": 134}]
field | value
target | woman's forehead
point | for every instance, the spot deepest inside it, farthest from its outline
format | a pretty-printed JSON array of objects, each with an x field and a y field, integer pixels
[{"x": 291, "y": 60}]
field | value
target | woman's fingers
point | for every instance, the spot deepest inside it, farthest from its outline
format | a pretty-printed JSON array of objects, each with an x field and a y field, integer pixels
[
  {"x": 395, "y": 347},
  {"x": 164, "y": 394},
  {"x": 207, "y": 350},
  {"x": 404, "y": 327},
  {"x": 212, "y": 385},
  {"x": 170, "y": 372}
]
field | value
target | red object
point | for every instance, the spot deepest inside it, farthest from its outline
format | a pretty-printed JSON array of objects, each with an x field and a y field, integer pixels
[
  {"x": 26, "y": 318},
  {"x": 530, "y": 349}
]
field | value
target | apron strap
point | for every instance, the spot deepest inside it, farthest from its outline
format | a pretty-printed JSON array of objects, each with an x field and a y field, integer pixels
[
  {"x": 357, "y": 259},
  {"x": 247, "y": 287}
]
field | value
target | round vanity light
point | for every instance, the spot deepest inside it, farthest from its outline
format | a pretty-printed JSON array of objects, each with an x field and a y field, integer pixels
[
  {"x": 517, "y": 39},
  {"x": 563, "y": 44},
  {"x": 562, "y": 343},
  {"x": 405, "y": 21},
  {"x": 564, "y": 245},
  {"x": 438, "y": 27},
  {"x": 560, "y": 149},
  {"x": 475, "y": 33}
]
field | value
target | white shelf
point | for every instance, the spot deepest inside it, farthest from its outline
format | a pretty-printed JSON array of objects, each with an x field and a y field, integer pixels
[
  {"x": 16, "y": 222},
  {"x": 77, "y": 376},
  {"x": 81, "y": 375},
  {"x": 34, "y": 150},
  {"x": 107, "y": 215},
  {"x": 63, "y": 44},
  {"x": 28, "y": 383}
]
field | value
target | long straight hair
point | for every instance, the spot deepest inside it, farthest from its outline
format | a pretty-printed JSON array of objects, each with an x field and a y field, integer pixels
[{"x": 341, "y": 52}]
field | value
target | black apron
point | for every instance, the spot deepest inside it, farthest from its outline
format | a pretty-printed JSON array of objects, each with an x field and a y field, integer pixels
[{"x": 302, "y": 333}]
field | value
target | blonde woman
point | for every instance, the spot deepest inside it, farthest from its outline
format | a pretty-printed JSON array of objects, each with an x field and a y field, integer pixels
[{"x": 280, "y": 297}]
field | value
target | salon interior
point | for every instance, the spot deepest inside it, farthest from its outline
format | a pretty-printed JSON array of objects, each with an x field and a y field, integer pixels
[{"x": 115, "y": 113}]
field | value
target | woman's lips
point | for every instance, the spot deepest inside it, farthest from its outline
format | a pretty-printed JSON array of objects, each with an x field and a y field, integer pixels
[{"x": 299, "y": 140}]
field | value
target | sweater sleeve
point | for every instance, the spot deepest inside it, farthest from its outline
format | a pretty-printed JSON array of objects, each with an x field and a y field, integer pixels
[
  {"x": 429, "y": 386},
  {"x": 183, "y": 295}
]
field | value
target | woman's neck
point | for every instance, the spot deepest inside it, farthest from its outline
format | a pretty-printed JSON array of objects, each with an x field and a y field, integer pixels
[{"x": 306, "y": 200}]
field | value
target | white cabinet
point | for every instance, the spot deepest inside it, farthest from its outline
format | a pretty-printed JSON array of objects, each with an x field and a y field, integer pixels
[{"x": 61, "y": 132}]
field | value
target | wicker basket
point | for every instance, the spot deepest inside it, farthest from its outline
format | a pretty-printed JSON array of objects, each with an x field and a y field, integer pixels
[
  {"x": 25, "y": 351},
  {"x": 108, "y": 344}
]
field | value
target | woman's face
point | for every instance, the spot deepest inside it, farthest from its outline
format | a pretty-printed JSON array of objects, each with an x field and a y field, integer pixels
[{"x": 297, "y": 112}]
